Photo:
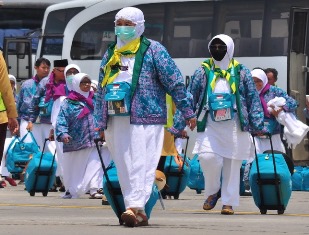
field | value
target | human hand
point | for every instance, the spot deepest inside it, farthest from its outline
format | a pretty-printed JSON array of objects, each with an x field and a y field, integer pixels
[
  {"x": 29, "y": 126},
  {"x": 183, "y": 134},
  {"x": 51, "y": 136},
  {"x": 66, "y": 139},
  {"x": 191, "y": 123},
  {"x": 102, "y": 135},
  {"x": 13, "y": 125},
  {"x": 275, "y": 112}
]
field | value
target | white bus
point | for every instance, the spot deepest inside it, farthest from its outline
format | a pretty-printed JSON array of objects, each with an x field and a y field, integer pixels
[
  {"x": 20, "y": 27},
  {"x": 267, "y": 33}
]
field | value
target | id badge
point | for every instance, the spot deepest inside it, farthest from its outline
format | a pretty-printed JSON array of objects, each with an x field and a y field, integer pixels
[
  {"x": 222, "y": 114},
  {"x": 116, "y": 107}
]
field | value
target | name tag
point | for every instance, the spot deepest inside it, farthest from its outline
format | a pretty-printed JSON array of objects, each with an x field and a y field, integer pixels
[{"x": 118, "y": 97}]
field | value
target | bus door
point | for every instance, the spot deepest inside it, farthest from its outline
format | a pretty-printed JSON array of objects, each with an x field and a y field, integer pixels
[
  {"x": 298, "y": 69},
  {"x": 17, "y": 53}
]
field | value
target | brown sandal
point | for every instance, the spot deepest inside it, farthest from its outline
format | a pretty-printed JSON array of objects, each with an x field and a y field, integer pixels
[
  {"x": 129, "y": 218},
  {"x": 211, "y": 201},
  {"x": 227, "y": 210},
  {"x": 141, "y": 218}
]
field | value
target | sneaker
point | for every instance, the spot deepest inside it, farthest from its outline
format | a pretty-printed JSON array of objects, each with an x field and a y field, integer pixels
[
  {"x": 67, "y": 195},
  {"x": 11, "y": 181},
  {"x": 248, "y": 193}
]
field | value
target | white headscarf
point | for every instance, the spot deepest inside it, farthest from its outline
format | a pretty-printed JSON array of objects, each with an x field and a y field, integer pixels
[
  {"x": 224, "y": 63},
  {"x": 260, "y": 74},
  {"x": 76, "y": 82},
  {"x": 69, "y": 81},
  {"x": 136, "y": 16},
  {"x": 13, "y": 78}
]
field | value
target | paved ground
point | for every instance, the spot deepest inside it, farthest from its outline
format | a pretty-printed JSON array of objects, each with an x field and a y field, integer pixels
[{"x": 23, "y": 214}]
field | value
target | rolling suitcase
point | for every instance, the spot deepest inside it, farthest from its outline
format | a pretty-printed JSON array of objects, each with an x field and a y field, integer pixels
[
  {"x": 40, "y": 172},
  {"x": 270, "y": 181},
  {"x": 176, "y": 175},
  {"x": 112, "y": 190}
]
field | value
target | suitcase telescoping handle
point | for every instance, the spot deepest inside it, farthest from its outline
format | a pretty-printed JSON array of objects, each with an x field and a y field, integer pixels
[
  {"x": 185, "y": 153},
  {"x": 97, "y": 142},
  {"x": 110, "y": 187},
  {"x": 272, "y": 153}
]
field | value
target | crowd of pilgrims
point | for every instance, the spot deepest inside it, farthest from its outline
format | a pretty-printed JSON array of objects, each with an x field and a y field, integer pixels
[{"x": 44, "y": 111}]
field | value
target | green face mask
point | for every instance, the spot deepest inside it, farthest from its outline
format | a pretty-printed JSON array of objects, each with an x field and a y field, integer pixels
[{"x": 125, "y": 33}]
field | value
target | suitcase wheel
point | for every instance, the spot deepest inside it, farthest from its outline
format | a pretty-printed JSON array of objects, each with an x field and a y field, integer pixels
[
  {"x": 280, "y": 212},
  {"x": 176, "y": 196},
  {"x": 32, "y": 194},
  {"x": 120, "y": 222},
  {"x": 198, "y": 191},
  {"x": 44, "y": 194},
  {"x": 263, "y": 211}
]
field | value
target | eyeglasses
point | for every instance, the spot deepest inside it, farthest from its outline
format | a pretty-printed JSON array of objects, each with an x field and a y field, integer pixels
[
  {"x": 218, "y": 47},
  {"x": 59, "y": 70},
  {"x": 71, "y": 73}
]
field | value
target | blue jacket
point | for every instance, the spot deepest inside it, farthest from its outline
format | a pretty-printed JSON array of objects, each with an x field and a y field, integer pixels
[
  {"x": 81, "y": 130},
  {"x": 250, "y": 109},
  {"x": 26, "y": 107},
  {"x": 158, "y": 75}
]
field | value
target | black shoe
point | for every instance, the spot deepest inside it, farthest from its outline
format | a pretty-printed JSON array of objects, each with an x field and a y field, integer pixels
[
  {"x": 62, "y": 189},
  {"x": 53, "y": 189}
]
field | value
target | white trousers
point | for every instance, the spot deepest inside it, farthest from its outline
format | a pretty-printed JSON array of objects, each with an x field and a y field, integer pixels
[
  {"x": 136, "y": 150},
  {"x": 215, "y": 166},
  {"x": 263, "y": 144},
  {"x": 82, "y": 171}
]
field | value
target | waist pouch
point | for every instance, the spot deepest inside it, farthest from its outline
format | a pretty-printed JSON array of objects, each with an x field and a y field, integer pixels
[
  {"x": 221, "y": 107},
  {"x": 118, "y": 97},
  {"x": 45, "y": 107}
]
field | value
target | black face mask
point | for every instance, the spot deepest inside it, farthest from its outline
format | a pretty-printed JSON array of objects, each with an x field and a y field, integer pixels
[{"x": 218, "y": 49}]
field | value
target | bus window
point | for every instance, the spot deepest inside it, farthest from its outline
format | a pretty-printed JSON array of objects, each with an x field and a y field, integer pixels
[
  {"x": 52, "y": 46},
  {"x": 92, "y": 39},
  {"x": 191, "y": 27},
  {"x": 243, "y": 22},
  {"x": 57, "y": 20}
]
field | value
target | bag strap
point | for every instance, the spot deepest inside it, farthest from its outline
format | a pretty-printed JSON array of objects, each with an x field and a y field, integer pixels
[
  {"x": 32, "y": 138},
  {"x": 13, "y": 141}
]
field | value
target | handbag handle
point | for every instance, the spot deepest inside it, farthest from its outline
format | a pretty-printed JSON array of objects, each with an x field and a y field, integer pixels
[
  {"x": 13, "y": 141},
  {"x": 32, "y": 138}
]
